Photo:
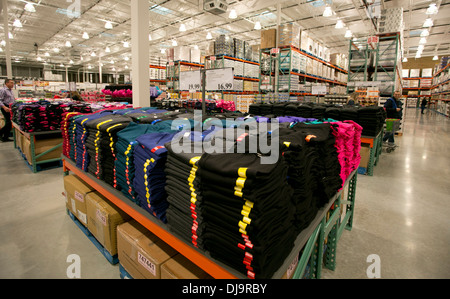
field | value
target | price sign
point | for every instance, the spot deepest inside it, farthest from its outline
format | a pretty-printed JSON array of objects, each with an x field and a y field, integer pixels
[
  {"x": 275, "y": 51},
  {"x": 219, "y": 79},
  {"x": 190, "y": 80},
  {"x": 373, "y": 40},
  {"x": 212, "y": 58}
]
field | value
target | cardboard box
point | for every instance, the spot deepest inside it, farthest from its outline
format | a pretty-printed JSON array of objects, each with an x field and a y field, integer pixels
[
  {"x": 268, "y": 38},
  {"x": 76, "y": 191},
  {"x": 365, "y": 155},
  {"x": 103, "y": 219},
  {"x": 179, "y": 267},
  {"x": 141, "y": 253},
  {"x": 413, "y": 73},
  {"x": 41, "y": 146}
]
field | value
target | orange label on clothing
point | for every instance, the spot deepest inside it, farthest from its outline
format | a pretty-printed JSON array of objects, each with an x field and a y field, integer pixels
[{"x": 308, "y": 138}]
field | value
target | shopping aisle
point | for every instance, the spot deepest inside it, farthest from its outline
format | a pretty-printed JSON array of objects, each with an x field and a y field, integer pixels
[
  {"x": 401, "y": 215},
  {"x": 36, "y": 234},
  {"x": 401, "y": 212}
]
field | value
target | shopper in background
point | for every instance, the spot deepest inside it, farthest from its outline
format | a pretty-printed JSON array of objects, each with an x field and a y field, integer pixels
[
  {"x": 424, "y": 104},
  {"x": 352, "y": 99},
  {"x": 393, "y": 108},
  {"x": 76, "y": 96},
  {"x": 6, "y": 99}
]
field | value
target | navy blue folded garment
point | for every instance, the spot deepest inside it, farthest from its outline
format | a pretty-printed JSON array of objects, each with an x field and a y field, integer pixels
[{"x": 149, "y": 161}]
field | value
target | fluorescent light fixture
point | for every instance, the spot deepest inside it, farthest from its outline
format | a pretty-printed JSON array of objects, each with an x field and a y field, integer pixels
[
  {"x": 10, "y": 35},
  {"x": 163, "y": 51},
  {"x": 114, "y": 69},
  {"x": 1, "y": 50},
  {"x": 174, "y": 43},
  {"x": 432, "y": 9},
  {"x": 233, "y": 14},
  {"x": 108, "y": 25},
  {"x": 93, "y": 54},
  {"x": 339, "y": 24},
  {"x": 108, "y": 50},
  {"x": 30, "y": 7},
  {"x": 126, "y": 67},
  {"x": 3, "y": 43},
  {"x": 89, "y": 67},
  {"x": 68, "y": 44},
  {"x": 182, "y": 28},
  {"x": 196, "y": 47},
  {"x": 327, "y": 12},
  {"x": 405, "y": 59},
  {"x": 47, "y": 54},
  {"x": 209, "y": 36},
  {"x": 61, "y": 65},
  {"x": 56, "y": 50},
  {"x": 435, "y": 57},
  {"x": 71, "y": 61},
  {"x": 257, "y": 25},
  {"x": 126, "y": 58},
  {"x": 149, "y": 37},
  {"x": 85, "y": 35},
  {"x": 112, "y": 61},
  {"x": 428, "y": 23},
  {"x": 348, "y": 33},
  {"x": 126, "y": 44},
  {"x": 425, "y": 33},
  {"x": 423, "y": 40},
  {"x": 17, "y": 23},
  {"x": 418, "y": 55}
]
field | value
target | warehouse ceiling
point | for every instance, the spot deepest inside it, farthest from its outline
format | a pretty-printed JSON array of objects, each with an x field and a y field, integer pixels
[{"x": 56, "y": 22}]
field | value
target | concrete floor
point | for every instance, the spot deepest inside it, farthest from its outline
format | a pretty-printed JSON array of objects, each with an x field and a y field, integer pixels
[{"x": 401, "y": 215}]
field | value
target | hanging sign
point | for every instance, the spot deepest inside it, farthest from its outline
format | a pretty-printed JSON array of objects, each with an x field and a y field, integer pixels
[
  {"x": 190, "y": 81},
  {"x": 219, "y": 79}
]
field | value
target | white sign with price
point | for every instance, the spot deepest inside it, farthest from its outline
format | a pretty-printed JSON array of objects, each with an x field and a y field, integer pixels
[
  {"x": 219, "y": 79},
  {"x": 190, "y": 81}
]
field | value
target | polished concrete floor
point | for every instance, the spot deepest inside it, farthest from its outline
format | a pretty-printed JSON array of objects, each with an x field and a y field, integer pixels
[{"x": 401, "y": 215}]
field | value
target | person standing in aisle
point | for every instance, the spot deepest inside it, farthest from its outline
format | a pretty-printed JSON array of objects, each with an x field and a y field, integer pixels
[
  {"x": 6, "y": 99},
  {"x": 393, "y": 110},
  {"x": 424, "y": 104}
]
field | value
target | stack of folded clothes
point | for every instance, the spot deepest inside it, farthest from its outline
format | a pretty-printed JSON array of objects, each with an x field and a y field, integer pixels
[
  {"x": 150, "y": 157},
  {"x": 254, "y": 109},
  {"x": 349, "y": 113},
  {"x": 318, "y": 111},
  {"x": 100, "y": 145},
  {"x": 246, "y": 211},
  {"x": 372, "y": 119},
  {"x": 304, "y": 110},
  {"x": 333, "y": 112}
]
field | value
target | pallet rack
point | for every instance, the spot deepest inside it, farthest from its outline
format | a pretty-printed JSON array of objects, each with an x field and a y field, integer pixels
[
  {"x": 327, "y": 225},
  {"x": 173, "y": 72}
]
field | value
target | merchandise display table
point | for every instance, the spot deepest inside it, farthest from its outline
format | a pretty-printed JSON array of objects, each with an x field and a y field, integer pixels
[
  {"x": 38, "y": 147},
  {"x": 329, "y": 224},
  {"x": 375, "y": 144}
]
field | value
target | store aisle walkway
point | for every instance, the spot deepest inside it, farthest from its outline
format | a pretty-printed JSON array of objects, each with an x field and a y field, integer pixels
[{"x": 401, "y": 213}]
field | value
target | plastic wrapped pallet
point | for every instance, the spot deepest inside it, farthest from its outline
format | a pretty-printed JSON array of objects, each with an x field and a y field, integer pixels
[
  {"x": 238, "y": 85},
  {"x": 248, "y": 52},
  {"x": 289, "y": 35},
  {"x": 251, "y": 70},
  {"x": 224, "y": 45},
  {"x": 304, "y": 40},
  {"x": 239, "y": 50},
  {"x": 182, "y": 53},
  {"x": 195, "y": 55},
  {"x": 239, "y": 68}
]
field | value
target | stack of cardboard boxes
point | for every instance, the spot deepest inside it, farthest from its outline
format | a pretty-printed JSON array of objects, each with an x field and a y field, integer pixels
[{"x": 391, "y": 20}]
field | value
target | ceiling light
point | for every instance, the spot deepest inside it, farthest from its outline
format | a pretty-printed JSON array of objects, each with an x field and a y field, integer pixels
[
  {"x": 405, "y": 59},
  {"x": 1, "y": 50},
  {"x": 68, "y": 44},
  {"x": 174, "y": 43},
  {"x": 126, "y": 58},
  {"x": 126, "y": 67},
  {"x": 257, "y": 25},
  {"x": 17, "y": 23},
  {"x": 71, "y": 61},
  {"x": 423, "y": 40},
  {"x": 114, "y": 69},
  {"x": 195, "y": 47},
  {"x": 126, "y": 44},
  {"x": 420, "y": 48},
  {"x": 418, "y": 55},
  {"x": 425, "y": 33},
  {"x": 61, "y": 65},
  {"x": 108, "y": 25},
  {"x": 30, "y": 7},
  {"x": 339, "y": 24},
  {"x": 47, "y": 54},
  {"x": 149, "y": 37},
  {"x": 209, "y": 36},
  {"x": 10, "y": 35},
  {"x": 233, "y": 14},
  {"x": 163, "y": 51},
  {"x": 348, "y": 33},
  {"x": 89, "y": 67},
  {"x": 112, "y": 61},
  {"x": 327, "y": 12},
  {"x": 3, "y": 43},
  {"x": 107, "y": 50},
  {"x": 56, "y": 50},
  {"x": 435, "y": 57},
  {"x": 85, "y": 35},
  {"x": 182, "y": 28},
  {"x": 432, "y": 9},
  {"x": 93, "y": 54},
  {"x": 428, "y": 23}
]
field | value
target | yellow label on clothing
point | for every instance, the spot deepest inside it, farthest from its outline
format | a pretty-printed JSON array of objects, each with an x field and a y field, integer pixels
[
  {"x": 249, "y": 204},
  {"x": 238, "y": 193},
  {"x": 194, "y": 160},
  {"x": 240, "y": 182},
  {"x": 242, "y": 172},
  {"x": 246, "y": 220},
  {"x": 287, "y": 143},
  {"x": 242, "y": 225}
]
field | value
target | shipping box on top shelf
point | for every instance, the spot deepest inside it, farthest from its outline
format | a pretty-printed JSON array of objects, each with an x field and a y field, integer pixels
[
  {"x": 141, "y": 252},
  {"x": 289, "y": 35},
  {"x": 179, "y": 267},
  {"x": 76, "y": 191},
  {"x": 268, "y": 38},
  {"x": 103, "y": 219}
]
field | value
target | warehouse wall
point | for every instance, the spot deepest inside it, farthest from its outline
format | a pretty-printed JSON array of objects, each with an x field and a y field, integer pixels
[{"x": 421, "y": 63}]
